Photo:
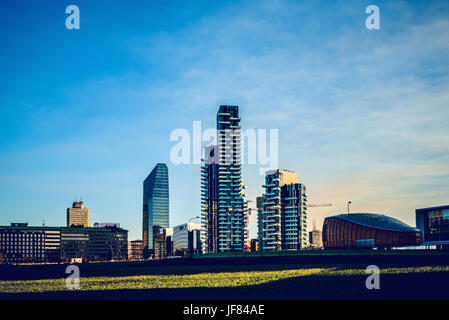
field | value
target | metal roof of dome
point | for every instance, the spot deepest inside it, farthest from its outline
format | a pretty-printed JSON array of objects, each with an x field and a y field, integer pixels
[{"x": 377, "y": 221}]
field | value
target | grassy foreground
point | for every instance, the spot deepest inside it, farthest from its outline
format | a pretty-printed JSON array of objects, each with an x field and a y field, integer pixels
[{"x": 199, "y": 280}]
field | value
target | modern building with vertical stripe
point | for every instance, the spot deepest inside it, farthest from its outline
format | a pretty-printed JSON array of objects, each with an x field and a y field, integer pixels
[
  {"x": 223, "y": 206},
  {"x": 282, "y": 216},
  {"x": 155, "y": 205}
]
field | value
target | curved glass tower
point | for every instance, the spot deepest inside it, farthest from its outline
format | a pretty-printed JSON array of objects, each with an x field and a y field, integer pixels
[{"x": 155, "y": 204}]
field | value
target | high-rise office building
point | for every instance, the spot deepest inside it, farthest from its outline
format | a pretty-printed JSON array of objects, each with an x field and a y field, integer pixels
[
  {"x": 155, "y": 205},
  {"x": 223, "y": 206},
  {"x": 209, "y": 200},
  {"x": 282, "y": 219},
  {"x": 78, "y": 215},
  {"x": 186, "y": 239}
]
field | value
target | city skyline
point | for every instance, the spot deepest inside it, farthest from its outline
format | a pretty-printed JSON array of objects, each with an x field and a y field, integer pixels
[{"x": 357, "y": 121}]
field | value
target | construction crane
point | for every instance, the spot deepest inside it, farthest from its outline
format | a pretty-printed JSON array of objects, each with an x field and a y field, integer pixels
[{"x": 319, "y": 205}]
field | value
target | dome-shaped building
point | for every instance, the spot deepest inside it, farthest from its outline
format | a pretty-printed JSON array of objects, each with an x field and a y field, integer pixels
[{"x": 368, "y": 230}]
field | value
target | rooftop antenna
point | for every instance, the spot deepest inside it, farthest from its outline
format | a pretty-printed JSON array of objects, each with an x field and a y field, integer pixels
[
  {"x": 314, "y": 224},
  {"x": 43, "y": 222}
]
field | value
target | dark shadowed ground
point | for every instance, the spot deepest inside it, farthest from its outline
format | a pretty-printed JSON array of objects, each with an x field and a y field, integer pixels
[
  {"x": 397, "y": 286},
  {"x": 192, "y": 266},
  {"x": 424, "y": 285}
]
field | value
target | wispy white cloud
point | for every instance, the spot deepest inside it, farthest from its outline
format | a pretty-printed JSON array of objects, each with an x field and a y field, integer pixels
[{"x": 356, "y": 110}]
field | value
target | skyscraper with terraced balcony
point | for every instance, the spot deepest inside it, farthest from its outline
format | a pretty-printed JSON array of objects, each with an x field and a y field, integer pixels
[
  {"x": 282, "y": 215},
  {"x": 224, "y": 210}
]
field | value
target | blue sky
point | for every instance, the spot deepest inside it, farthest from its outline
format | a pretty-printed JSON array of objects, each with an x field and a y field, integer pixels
[{"x": 362, "y": 114}]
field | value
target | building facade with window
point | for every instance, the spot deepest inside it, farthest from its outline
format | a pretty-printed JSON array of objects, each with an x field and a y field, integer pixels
[
  {"x": 155, "y": 206},
  {"x": 94, "y": 244},
  {"x": 209, "y": 200},
  {"x": 282, "y": 216},
  {"x": 223, "y": 202},
  {"x": 434, "y": 225},
  {"x": 135, "y": 248},
  {"x": 169, "y": 242},
  {"x": 20, "y": 243},
  {"x": 160, "y": 243},
  {"x": 78, "y": 215},
  {"x": 186, "y": 239}
]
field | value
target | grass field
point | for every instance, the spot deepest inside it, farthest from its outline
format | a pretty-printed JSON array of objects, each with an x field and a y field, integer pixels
[
  {"x": 421, "y": 277},
  {"x": 207, "y": 280}
]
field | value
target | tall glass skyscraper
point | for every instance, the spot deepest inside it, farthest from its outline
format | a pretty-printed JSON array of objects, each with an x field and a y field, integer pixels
[
  {"x": 224, "y": 209},
  {"x": 155, "y": 204}
]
